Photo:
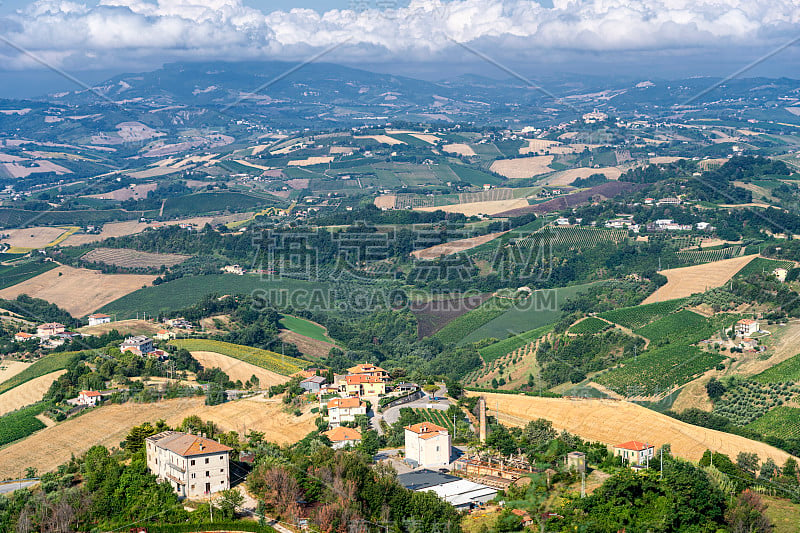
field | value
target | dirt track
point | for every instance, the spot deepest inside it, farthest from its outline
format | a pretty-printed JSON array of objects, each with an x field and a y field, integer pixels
[
  {"x": 682, "y": 282},
  {"x": 612, "y": 422},
  {"x": 108, "y": 426}
]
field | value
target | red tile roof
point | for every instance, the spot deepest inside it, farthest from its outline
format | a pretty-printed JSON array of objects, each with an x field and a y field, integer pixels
[
  {"x": 363, "y": 378},
  {"x": 426, "y": 429},
  {"x": 90, "y": 393},
  {"x": 634, "y": 445},
  {"x": 344, "y": 403},
  {"x": 185, "y": 444},
  {"x": 342, "y": 433}
]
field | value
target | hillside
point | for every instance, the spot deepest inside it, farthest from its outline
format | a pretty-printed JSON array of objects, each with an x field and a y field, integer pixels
[{"x": 613, "y": 421}]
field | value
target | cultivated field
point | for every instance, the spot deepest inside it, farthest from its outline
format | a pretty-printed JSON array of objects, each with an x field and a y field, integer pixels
[
  {"x": 125, "y": 258},
  {"x": 385, "y": 201},
  {"x": 237, "y": 369},
  {"x": 108, "y": 426},
  {"x": 127, "y": 193},
  {"x": 458, "y": 148},
  {"x": 307, "y": 346},
  {"x": 383, "y": 139},
  {"x": 456, "y": 246},
  {"x": 29, "y": 392},
  {"x": 77, "y": 290},
  {"x": 682, "y": 282},
  {"x": 36, "y": 237},
  {"x": 131, "y": 227},
  {"x": 479, "y": 208},
  {"x": 613, "y": 421},
  {"x": 315, "y": 160},
  {"x": 11, "y": 368},
  {"x": 125, "y": 327},
  {"x": 536, "y": 146},
  {"x": 568, "y": 176},
  {"x": 523, "y": 167}
]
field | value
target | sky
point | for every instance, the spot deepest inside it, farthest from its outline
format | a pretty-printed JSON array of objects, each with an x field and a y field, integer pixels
[{"x": 426, "y": 38}]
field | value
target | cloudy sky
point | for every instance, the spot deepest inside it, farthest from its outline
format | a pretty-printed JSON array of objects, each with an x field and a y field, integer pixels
[{"x": 668, "y": 37}]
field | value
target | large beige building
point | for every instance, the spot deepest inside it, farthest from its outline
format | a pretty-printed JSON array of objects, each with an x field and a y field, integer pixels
[
  {"x": 194, "y": 466},
  {"x": 427, "y": 444}
]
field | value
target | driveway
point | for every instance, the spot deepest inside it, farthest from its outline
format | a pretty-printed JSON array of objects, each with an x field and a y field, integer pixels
[{"x": 392, "y": 414}]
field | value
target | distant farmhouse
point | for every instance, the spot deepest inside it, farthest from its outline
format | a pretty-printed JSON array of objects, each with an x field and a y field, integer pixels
[
  {"x": 194, "y": 466},
  {"x": 140, "y": 345},
  {"x": 99, "y": 318}
]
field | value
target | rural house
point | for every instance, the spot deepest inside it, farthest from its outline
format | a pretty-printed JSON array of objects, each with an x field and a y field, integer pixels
[
  {"x": 89, "y": 397},
  {"x": 345, "y": 410},
  {"x": 99, "y": 318},
  {"x": 369, "y": 370},
  {"x": 427, "y": 444},
  {"x": 23, "y": 337},
  {"x": 49, "y": 329},
  {"x": 746, "y": 327},
  {"x": 363, "y": 385},
  {"x": 194, "y": 466},
  {"x": 164, "y": 335},
  {"x": 341, "y": 437},
  {"x": 140, "y": 345},
  {"x": 312, "y": 384},
  {"x": 634, "y": 452}
]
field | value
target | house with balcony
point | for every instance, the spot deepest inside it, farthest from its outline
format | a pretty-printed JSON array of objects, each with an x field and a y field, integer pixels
[{"x": 194, "y": 466}]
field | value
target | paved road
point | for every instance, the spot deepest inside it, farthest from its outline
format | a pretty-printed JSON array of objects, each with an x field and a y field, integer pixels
[{"x": 6, "y": 488}]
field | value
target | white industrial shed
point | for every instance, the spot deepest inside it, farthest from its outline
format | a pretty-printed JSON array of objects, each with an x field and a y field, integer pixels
[{"x": 464, "y": 494}]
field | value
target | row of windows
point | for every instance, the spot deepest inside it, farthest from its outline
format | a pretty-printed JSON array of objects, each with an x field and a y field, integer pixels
[{"x": 208, "y": 474}]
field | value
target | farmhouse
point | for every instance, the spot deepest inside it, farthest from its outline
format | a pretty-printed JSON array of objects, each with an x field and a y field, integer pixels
[
  {"x": 89, "y": 397},
  {"x": 780, "y": 274},
  {"x": 99, "y": 318},
  {"x": 746, "y": 327},
  {"x": 341, "y": 437},
  {"x": 361, "y": 385},
  {"x": 140, "y": 345},
  {"x": 345, "y": 410},
  {"x": 194, "y": 466},
  {"x": 427, "y": 444},
  {"x": 369, "y": 370},
  {"x": 634, "y": 452},
  {"x": 23, "y": 337},
  {"x": 51, "y": 328},
  {"x": 164, "y": 335},
  {"x": 312, "y": 384},
  {"x": 233, "y": 269}
]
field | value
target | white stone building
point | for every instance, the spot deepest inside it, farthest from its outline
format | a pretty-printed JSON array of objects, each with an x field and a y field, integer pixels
[
  {"x": 194, "y": 466},
  {"x": 427, "y": 444}
]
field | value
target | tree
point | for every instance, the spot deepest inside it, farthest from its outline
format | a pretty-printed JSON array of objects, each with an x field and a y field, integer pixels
[
  {"x": 135, "y": 439},
  {"x": 370, "y": 442},
  {"x": 769, "y": 470},
  {"x": 216, "y": 394},
  {"x": 539, "y": 432},
  {"x": 715, "y": 389},
  {"x": 229, "y": 501},
  {"x": 747, "y": 462},
  {"x": 747, "y": 515}
]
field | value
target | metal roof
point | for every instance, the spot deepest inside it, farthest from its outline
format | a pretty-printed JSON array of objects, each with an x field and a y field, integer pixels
[{"x": 423, "y": 479}]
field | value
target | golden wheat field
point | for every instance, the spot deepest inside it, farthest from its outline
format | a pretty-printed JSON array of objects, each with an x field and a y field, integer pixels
[{"x": 613, "y": 421}]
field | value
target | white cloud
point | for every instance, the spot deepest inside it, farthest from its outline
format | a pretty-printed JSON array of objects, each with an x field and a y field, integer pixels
[{"x": 68, "y": 32}]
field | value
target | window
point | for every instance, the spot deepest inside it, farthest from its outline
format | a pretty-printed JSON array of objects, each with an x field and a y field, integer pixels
[
  {"x": 206, "y": 460},
  {"x": 193, "y": 475},
  {"x": 192, "y": 463},
  {"x": 208, "y": 474},
  {"x": 221, "y": 457}
]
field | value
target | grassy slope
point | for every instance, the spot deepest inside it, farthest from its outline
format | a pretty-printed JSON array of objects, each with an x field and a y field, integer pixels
[
  {"x": 45, "y": 365},
  {"x": 186, "y": 291},
  {"x": 305, "y": 327},
  {"x": 541, "y": 309},
  {"x": 272, "y": 361}
]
